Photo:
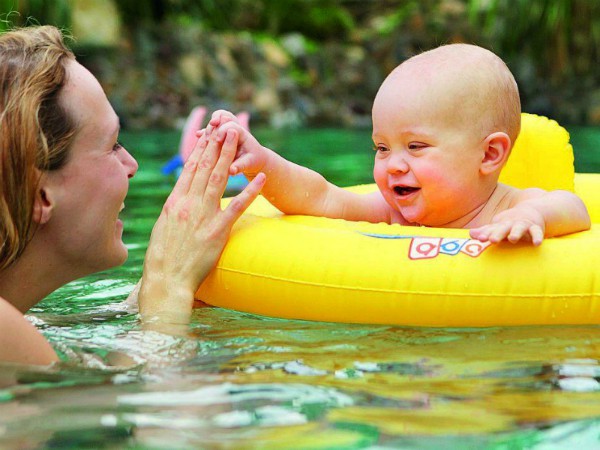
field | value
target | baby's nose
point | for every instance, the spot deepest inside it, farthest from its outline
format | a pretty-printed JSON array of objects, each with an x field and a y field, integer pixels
[{"x": 397, "y": 163}]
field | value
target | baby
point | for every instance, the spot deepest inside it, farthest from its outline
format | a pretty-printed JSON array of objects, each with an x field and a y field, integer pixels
[{"x": 444, "y": 123}]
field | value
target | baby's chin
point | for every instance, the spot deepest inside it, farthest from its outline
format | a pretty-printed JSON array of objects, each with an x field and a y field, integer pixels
[
  {"x": 412, "y": 215},
  {"x": 418, "y": 217}
]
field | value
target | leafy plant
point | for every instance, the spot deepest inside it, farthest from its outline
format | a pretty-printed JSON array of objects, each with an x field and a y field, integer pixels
[
  {"x": 561, "y": 36},
  {"x": 42, "y": 12}
]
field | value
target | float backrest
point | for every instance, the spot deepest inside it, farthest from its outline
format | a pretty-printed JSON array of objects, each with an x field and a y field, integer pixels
[{"x": 541, "y": 157}]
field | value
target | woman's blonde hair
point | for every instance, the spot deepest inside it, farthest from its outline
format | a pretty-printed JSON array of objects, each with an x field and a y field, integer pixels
[{"x": 35, "y": 130}]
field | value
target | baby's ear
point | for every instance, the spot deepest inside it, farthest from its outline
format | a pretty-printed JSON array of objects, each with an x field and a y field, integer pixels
[{"x": 496, "y": 151}]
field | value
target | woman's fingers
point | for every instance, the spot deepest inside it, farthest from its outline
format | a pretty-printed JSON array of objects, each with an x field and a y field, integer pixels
[
  {"x": 182, "y": 186},
  {"x": 240, "y": 202},
  {"x": 220, "y": 174},
  {"x": 206, "y": 166}
]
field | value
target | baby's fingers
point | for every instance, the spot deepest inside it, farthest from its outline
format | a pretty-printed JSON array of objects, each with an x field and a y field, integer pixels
[
  {"x": 537, "y": 234},
  {"x": 242, "y": 164},
  {"x": 499, "y": 232},
  {"x": 218, "y": 118},
  {"x": 481, "y": 233},
  {"x": 518, "y": 231},
  {"x": 494, "y": 232}
]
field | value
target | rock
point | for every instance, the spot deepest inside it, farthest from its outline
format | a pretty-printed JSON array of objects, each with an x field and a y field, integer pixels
[
  {"x": 275, "y": 55},
  {"x": 290, "y": 118},
  {"x": 266, "y": 101},
  {"x": 191, "y": 67},
  {"x": 294, "y": 44}
]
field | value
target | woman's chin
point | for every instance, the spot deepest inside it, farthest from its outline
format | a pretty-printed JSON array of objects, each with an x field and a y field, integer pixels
[{"x": 117, "y": 256}]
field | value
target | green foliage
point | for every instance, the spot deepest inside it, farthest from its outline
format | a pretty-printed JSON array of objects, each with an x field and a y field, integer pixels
[
  {"x": 393, "y": 21},
  {"x": 42, "y": 12},
  {"x": 315, "y": 19},
  {"x": 561, "y": 36}
]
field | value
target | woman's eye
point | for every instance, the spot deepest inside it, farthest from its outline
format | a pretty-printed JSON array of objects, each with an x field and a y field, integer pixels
[{"x": 117, "y": 146}]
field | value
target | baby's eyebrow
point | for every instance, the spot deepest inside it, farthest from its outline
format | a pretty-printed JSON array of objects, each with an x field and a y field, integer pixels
[{"x": 416, "y": 132}]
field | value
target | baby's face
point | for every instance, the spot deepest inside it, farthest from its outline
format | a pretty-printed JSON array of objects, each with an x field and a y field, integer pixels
[{"x": 428, "y": 154}]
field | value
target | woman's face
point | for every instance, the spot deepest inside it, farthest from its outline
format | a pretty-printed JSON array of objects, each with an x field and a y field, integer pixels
[{"x": 87, "y": 194}]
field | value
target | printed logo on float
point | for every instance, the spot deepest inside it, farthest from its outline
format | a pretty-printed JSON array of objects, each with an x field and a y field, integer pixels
[{"x": 423, "y": 247}]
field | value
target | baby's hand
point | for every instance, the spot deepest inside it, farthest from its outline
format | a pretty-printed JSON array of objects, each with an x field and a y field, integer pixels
[
  {"x": 513, "y": 225},
  {"x": 251, "y": 157},
  {"x": 223, "y": 116}
]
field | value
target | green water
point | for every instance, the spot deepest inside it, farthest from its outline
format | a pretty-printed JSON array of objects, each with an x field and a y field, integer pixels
[{"x": 243, "y": 381}]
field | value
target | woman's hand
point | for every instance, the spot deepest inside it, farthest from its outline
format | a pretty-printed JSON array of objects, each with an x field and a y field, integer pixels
[{"x": 192, "y": 230}]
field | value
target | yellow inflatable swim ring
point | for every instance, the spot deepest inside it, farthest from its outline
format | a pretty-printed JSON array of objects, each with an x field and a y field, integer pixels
[{"x": 311, "y": 268}]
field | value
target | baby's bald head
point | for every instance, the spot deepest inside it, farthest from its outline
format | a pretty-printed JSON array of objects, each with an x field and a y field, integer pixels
[{"x": 466, "y": 82}]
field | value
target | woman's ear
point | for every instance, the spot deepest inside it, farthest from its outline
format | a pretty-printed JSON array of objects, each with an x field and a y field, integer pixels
[
  {"x": 42, "y": 207},
  {"x": 497, "y": 148}
]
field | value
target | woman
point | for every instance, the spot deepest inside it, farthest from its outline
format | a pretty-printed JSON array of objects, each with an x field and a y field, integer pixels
[{"x": 64, "y": 178}]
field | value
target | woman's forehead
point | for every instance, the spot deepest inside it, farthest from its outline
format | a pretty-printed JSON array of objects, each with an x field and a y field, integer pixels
[{"x": 86, "y": 102}]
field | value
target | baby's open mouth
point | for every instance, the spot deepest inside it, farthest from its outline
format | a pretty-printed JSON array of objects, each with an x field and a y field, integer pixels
[{"x": 405, "y": 190}]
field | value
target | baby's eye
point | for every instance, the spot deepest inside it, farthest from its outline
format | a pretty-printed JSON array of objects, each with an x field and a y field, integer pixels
[
  {"x": 380, "y": 148},
  {"x": 117, "y": 146},
  {"x": 416, "y": 145}
]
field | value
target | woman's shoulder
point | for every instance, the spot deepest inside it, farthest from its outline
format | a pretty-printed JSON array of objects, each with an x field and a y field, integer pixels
[{"x": 20, "y": 341}]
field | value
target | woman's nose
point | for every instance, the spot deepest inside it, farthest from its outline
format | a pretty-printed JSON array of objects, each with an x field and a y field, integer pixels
[{"x": 129, "y": 162}]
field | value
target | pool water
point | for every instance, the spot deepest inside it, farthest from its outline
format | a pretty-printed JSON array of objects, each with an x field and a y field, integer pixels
[{"x": 242, "y": 381}]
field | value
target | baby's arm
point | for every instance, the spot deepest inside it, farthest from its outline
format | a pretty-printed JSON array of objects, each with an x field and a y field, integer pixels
[
  {"x": 535, "y": 214},
  {"x": 294, "y": 189}
]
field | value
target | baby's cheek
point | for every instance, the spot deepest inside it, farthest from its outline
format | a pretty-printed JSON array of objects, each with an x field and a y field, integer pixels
[
  {"x": 382, "y": 183},
  {"x": 378, "y": 175},
  {"x": 449, "y": 176}
]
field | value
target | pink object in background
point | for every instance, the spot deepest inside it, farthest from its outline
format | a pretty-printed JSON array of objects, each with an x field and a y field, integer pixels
[
  {"x": 188, "y": 136},
  {"x": 194, "y": 123}
]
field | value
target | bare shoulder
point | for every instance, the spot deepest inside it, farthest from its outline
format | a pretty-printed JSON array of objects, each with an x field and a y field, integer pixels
[
  {"x": 20, "y": 342},
  {"x": 508, "y": 196},
  {"x": 527, "y": 194}
]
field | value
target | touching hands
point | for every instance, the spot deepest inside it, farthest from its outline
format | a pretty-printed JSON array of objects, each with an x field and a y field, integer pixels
[
  {"x": 516, "y": 224},
  {"x": 251, "y": 157},
  {"x": 192, "y": 229}
]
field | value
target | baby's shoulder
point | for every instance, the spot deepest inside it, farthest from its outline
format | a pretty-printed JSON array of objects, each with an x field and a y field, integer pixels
[
  {"x": 504, "y": 197},
  {"x": 509, "y": 196}
]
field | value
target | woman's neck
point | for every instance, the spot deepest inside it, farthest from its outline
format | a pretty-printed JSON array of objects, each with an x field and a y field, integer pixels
[{"x": 33, "y": 276}]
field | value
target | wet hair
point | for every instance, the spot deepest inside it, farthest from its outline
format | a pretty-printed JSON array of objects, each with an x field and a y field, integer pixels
[{"x": 35, "y": 129}]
